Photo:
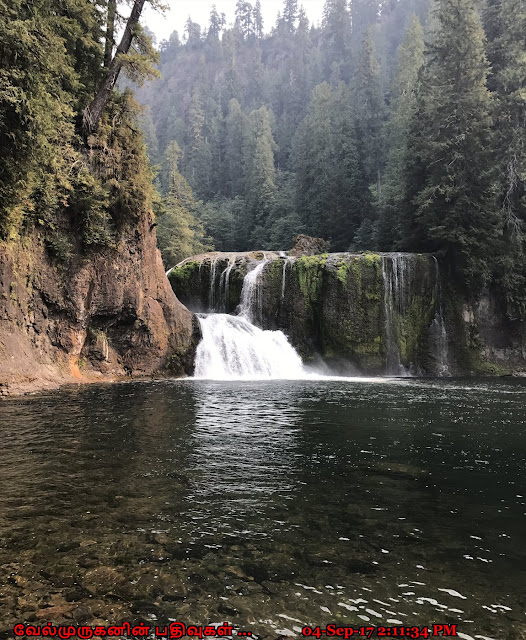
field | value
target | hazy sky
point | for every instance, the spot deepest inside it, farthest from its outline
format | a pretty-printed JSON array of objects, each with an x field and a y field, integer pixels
[{"x": 199, "y": 10}]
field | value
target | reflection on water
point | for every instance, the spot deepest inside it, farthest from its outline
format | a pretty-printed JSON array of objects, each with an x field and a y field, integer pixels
[{"x": 270, "y": 504}]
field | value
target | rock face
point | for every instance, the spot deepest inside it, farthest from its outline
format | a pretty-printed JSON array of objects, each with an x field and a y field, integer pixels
[
  {"x": 107, "y": 314},
  {"x": 359, "y": 313},
  {"x": 372, "y": 313},
  {"x": 308, "y": 246}
]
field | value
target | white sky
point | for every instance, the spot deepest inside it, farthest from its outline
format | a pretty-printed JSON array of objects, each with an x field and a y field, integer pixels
[{"x": 175, "y": 18}]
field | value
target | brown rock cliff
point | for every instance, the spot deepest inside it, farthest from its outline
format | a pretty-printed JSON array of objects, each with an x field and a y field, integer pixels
[{"x": 105, "y": 314}]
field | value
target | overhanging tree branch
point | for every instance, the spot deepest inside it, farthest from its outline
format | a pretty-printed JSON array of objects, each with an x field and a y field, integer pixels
[{"x": 94, "y": 110}]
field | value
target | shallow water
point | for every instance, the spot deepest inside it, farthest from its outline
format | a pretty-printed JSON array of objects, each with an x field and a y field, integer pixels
[{"x": 268, "y": 504}]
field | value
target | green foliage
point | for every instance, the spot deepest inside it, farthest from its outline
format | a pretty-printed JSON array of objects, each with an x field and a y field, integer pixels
[
  {"x": 260, "y": 173},
  {"x": 139, "y": 62},
  {"x": 179, "y": 233},
  {"x": 332, "y": 198},
  {"x": 389, "y": 232},
  {"x": 220, "y": 219},
  {"x": 80, "y": 195},
  {"x": 276, "y": 134},
  {"x": 506, "y": 29},
  {"x": 117, "y": 156},
  {"x": 370, "y": 110},
  {"x": 450, "y": 174},
  {"x": 37, "y": 84}
]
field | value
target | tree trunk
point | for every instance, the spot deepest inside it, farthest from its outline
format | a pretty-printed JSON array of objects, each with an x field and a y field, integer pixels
[
  {"x": 110, "y": 32},
  {"x": 94, "y": 110}
]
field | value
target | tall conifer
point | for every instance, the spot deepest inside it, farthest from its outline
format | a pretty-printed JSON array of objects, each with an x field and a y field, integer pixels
[{"x": 450, "y": 172}]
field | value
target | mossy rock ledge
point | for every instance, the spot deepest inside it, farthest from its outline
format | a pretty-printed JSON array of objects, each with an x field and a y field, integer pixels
[{"x": 349, "y": 311}]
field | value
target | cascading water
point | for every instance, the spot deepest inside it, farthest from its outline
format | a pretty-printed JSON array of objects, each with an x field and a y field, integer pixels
[
  {"x": 346, "y": 318},
  {"x": 250, "y": 306},
  {"x": 224, "y": 283},
  {"x": 394, "y": 278},
  {"x": 211, "y": 296},
  {"x": 232, "y": 347},
  {"x": 286, "y": 263},
  {"x": 438, "y": 330}
]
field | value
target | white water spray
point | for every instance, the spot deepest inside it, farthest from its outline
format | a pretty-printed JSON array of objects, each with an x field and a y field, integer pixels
[
  {"x": 234, "y": 349},
  {"x": 251, "y": 304}
]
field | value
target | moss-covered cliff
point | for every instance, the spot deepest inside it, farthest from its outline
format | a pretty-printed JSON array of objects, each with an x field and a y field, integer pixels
[{"x": 368, "y": 312}]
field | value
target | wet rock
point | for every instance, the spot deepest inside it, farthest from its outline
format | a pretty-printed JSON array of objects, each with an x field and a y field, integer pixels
[
  {"x": 103, "y": 580},
  {"x": 55, "y": 613}
]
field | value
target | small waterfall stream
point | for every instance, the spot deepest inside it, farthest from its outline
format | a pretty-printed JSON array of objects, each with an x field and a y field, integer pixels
[
  {"x": 251, "y": 304},
  {"x": 234, "y": 348},
  {"x": 211, "y": 297},
  {"x": 394, "y": 278},
  {"x": 438, "y": 330},
  {"x": 286, "y": 263},
  {"x": 224, "y": 283}
]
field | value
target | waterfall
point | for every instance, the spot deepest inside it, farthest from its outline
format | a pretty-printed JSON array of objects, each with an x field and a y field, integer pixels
[
  {"x": 438, "y": 329},
  {"x": 232, "y": 348},
  {"x": 286, "y": 262},
  {"x": 224, "y": 283},
  {"x": 394, "y": 302},
  {"x": 213, "y": 272},
  {"x": 251, "y": 306}
]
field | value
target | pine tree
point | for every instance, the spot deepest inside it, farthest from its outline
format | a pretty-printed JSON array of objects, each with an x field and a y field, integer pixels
[
  {"x": 179, "y": 234},
  {"x": 258, "y": 20},
  {"x": 332, "y": 196},
  {"x": 403, "y": 108},
  {"x": 450, "y": 175},
  {"x": 506, "y": 27},
  {"x": 245, "y": 19},
  {"x": 370, "y": 111},
  {"x": 351, "y": 202},
  {"x": 236, "y": 131},
  {"x": 290, "y": 14},
  {"x": 312, "y": 161},
  {"x": 197, "y": 164},
  {"x": 260, "y": 175},
  {"x": 192, "y": 32},
  {"x": 150, "y": 134},
  {"x": 216, "y": 23},
  {"x": 364, "y": 13},
  {"x": 336, "y": 44}
]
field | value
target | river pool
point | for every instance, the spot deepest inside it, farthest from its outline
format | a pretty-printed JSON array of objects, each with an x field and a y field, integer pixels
[{"x": 271, "y": 505}]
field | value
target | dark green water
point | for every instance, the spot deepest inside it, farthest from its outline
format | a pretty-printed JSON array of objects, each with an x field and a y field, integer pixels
[{"x": 270, "y": 505}]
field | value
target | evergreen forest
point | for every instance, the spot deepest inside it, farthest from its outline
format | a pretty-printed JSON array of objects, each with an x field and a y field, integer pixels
[{"x": 392, "y": 126}]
